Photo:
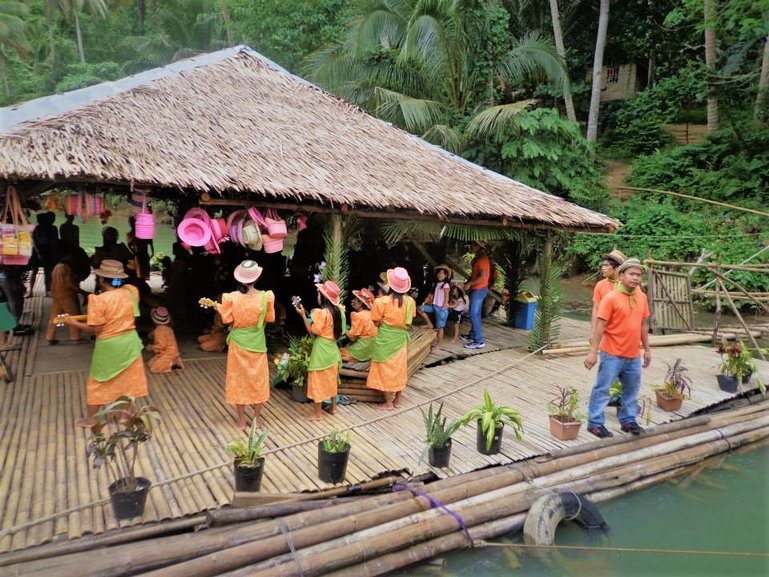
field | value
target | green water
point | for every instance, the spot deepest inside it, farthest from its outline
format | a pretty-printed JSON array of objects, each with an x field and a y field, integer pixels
[{"x": 723, "y": 510}]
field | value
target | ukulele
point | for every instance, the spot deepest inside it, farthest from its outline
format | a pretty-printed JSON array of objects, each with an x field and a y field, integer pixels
[
  {"x": 61, "y": 320},
  {"x": 207, "y": 303}
]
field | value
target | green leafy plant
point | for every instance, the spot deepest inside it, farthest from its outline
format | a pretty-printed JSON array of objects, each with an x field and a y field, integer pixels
[
  {"x": 127, "y": 427},
  {"x": 247, "y": 452},
  {"x": 293, "y": 365},
  {"x": 736, "y": 360},
  {"x": 546, "y": 326},
  {"x": 492, "y": 416},
  {"x": 676, "y": 383},
  {"x": 564, "y": 407},
  {"x": 437, "y": 431},
  {"x": 336, "y": 441}
]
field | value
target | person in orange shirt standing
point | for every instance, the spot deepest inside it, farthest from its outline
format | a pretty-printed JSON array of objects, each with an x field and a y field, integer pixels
[
  {"x": 393, "y": 314},
  {"x": 477, "y": 286},
  {"x": 327, "y": 325},
  {"x": 622, "y": 323},
  {"x": 248, "y": 373},
  {"x": 610, "y": 263},
  {"x": 163, "y": 344},
  {"x": 362, "y": 333}
]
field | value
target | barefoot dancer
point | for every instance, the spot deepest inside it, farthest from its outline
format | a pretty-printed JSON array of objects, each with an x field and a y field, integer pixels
[
  {"x": 117, "y": 368},
  {"x": 362, "y": 331},
  {"x": 393, "y": 313},
  {"x": 327, "y": 324}
]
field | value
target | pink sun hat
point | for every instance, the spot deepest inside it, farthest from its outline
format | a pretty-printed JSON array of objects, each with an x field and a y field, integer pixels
[
  {"x": 194, "y": 232},
  {"x": 219, "y": 229},
  {"x": 247, "y": 272},
  {"x": 398, "y": 279},
  {"x": 330, "y": 290}
]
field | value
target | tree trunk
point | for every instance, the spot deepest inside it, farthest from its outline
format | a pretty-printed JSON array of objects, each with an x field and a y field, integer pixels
[
  {"x": 141, "y": 12},
  {"x": 710, "y": 63},
  {"x": 79, "y": 35},
  {"x": 760, "y": 115},
  {"x": 227, "y": 24},
  {"x": 558, "y": 34},
  {"x": 51, "y": 40},
  {"x": 595, "y": 94}
]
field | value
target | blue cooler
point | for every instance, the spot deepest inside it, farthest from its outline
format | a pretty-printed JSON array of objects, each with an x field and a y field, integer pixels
[{"x": 525, "y": 306}]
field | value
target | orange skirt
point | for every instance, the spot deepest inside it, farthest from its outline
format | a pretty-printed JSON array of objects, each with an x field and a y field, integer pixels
[
  {"x": 322, "y": 385},
  {"x": 392, "y": 375},
  {"x": 161, "y": 364},
  {"x": 132, "y": 382},
  {"x": 248, "y": 377}
]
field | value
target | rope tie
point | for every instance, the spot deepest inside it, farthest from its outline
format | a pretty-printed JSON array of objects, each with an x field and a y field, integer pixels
[
  {"x": 437, "y": 504},
  {"x": 287, "y": 536},
  {"x": 579, "y": 509}
]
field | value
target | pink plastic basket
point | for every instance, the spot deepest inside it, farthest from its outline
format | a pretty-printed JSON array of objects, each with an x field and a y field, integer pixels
[
  {"x": 145, "y": 226},
  {"x": 271, "y": 244}
]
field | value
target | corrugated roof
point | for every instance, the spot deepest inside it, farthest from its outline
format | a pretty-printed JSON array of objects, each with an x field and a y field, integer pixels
[{"x": 233, "y": 123}]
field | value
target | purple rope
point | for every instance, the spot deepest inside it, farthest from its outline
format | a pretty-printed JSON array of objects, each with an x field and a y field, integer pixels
[{"x": 437, "y": 504}]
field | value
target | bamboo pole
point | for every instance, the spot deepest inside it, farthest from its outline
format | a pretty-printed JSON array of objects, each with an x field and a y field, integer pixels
[
  {"x": 742, "y": 321},
  {"x": 710, "y": 265}
]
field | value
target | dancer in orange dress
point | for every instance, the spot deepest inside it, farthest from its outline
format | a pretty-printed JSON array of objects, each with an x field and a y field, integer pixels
[
  {"x": 393, "y": 314},
  {"x": 248, "y": 373},
  {"x": 65, "y": 290},
  {"x": 164, "y": 344},
  {"x": 117, "y": 367},
  {"x": 362, "y": 329},
  {"x": 325, "y": 360}
]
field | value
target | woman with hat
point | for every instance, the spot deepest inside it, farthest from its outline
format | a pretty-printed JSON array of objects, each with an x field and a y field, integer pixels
[
  {"x": 248, "y": 373},
  {"x": 437, "y": 302},
  {"x": 610, "y": 264},
  {"x": 393, "y": 314},
  {"x": 117, "y": 367},
  {"x": 163, "y": 344},
  {"x": 362, "y": 329},
  {"x": 326, "y": 324}
]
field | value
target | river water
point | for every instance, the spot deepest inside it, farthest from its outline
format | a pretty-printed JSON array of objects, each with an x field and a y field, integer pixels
[{"x": 711, "y": 519}]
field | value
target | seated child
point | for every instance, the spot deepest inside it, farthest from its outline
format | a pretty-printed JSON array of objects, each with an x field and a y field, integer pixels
[
  {"x": 362, "y": 331},
  {"x": 215, "y": 340},
  {"x": 437, "y": 302},
  {"x": 164, "y": 344},
  {"x": 457, "y": 306}
]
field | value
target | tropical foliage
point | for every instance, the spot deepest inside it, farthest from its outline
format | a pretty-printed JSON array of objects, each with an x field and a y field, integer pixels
[
  {"x": 438, "y": 429},
  {"x": 248, "y": 452},
  {"x": 491, "y": 417}
]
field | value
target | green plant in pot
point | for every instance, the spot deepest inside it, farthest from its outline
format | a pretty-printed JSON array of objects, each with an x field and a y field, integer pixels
[
  {"x": 333, "y": 454},
  {"x": 293, "y": 365},
  {"x": 737, "y": 366},
  {"x": 491, "y": 419},
  {"x": 565, "y": 420},
  {"x": 249, "y": 462},
  {"x": 438, "y": 435},
  {"x": 676, "y": 386},
  {"x": 123, "y": 426}
]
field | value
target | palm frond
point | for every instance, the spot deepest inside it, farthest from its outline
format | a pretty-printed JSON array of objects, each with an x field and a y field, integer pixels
[
  {"x": 546, "y": 326},
  {"x": 416, "y": 114},
  {"x": 533, "y": 57},
  {"x": 446, "y": 137},
  {"x": 489, "y": 121},
  {"x": 337, "y": 253},
  {"x": 397, "y": 231}
]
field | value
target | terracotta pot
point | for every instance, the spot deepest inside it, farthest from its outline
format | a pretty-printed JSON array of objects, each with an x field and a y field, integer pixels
[
  {"x": 565, "y": 431},
  {"x": 669, "y": 403}
]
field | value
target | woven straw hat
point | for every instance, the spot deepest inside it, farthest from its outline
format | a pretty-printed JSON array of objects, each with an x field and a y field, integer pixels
[
  {"x": 398, "y": 279},
  {"x": 330, "y": 290},
  {"x": 247, "y": 272},
  {"x": 160, "y": 316},
  {"x": 111, "y": 269}
]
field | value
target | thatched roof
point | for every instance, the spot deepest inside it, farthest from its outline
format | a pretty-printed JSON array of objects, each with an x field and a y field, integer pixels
[{"x": 236, "y": 125}]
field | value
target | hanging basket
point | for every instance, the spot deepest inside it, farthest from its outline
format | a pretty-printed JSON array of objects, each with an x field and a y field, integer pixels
[{"x": 145, "y": 226}]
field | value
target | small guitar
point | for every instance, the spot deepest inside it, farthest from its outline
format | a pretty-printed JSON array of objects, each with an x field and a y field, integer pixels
[
  {"x": 61, "y": 320},
  {"x": 207, "y": 303}
]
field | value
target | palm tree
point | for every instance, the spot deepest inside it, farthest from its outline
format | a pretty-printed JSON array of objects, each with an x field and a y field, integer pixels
[
  {"x": 96, "y": 7},
  {"x": 70, "y": 8},
  {"x": 12, "y": 35},
  {"x": 710, "y": 63},
  {"x": 760, "y": 114},
  {"x": 595, "y": 93},
  {"x": 558, "y": 36},
  {"x": 420, "y": 64}
]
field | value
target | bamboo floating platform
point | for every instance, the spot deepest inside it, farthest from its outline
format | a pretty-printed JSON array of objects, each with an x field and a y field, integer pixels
[{"x": 49, "y": 493}]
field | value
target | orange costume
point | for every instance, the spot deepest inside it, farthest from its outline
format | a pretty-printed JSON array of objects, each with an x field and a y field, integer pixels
[
  {"x": 114, "y": 312},
  {"x": 322, "y": 384},
  {"x": 216, "y": 340},
  {"x": 64, "y": 289},
  {"x": 364, "y": 330},
  {"x": 166, "y": 350},
  {"x": 391, "y": 375},
  {"x": 248, "y": 374}
]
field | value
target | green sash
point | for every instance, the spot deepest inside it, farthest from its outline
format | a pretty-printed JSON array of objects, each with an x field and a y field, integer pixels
[
  {"x": 252, "y": 338},
  {"x": 362, "y": 349},
  {"x": 390, "y": 340},
  {"x": 325, "y": 353},
  {"x": 113, "y": 355}
]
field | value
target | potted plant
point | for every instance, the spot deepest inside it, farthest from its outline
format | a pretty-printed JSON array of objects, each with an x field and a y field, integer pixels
[
  {"x": 249, "y": 463},
  {"x": 123, "y": 427},
  {"x": 676, "y": 386},
  {"x": 737, "y": 366},
  {"x": 615, "y": 394},
  {"x": 293, "y": 365},
  {"x": 333, "y": 454},
  {"x": 491, "y": 420},
  {"x": 438, "y": 436},
  {"x": 565, "y": 421}
]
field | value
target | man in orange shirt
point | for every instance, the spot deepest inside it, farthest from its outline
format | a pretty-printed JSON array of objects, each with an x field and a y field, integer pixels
[
  {"x": 610, "y": 264},
  {"x": 622, "y": 324},
  {"x": 477, "y": 286}
]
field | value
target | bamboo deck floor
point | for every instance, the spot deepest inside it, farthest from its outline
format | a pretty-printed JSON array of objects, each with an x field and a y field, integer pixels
[{"x": 48, "y": 491}]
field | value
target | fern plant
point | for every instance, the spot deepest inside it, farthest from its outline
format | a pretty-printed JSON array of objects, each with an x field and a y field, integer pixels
[
  {"x": 546, "y": 328},
  {"x": 337, "y": 254}
]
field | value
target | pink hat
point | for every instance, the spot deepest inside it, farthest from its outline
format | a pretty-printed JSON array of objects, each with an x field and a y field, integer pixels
[
  {"x": 160, "y": 316},
  {"x": 398, "y": 279},
  {"x": 247, "y": 272},
  {"x": 365, "y": 296},
  {"x": 194, "y": 232},
  {"x": 330, "y": 290}
]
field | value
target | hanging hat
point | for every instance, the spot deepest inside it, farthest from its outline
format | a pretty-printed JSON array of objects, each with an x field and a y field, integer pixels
[
  {"x": 446, "y": 268},
  {"x": 330, "y": 290},
  {"x": 382, "y": 282},
  {"x": 365, "y": 296},
  {"x": 247, "y": 272},
  {"x": 631, "y": 263},
  {"x": 398, "y": 279},
  {"x": 160, "y": 316},
  {"x": 194, "y": 232},
  {"x": 251, "y": 236},
  {"x": 111, "y": 269},
  {"x": 616, "y": 256}
]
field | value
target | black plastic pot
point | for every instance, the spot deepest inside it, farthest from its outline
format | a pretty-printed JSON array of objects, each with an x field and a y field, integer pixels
[
  {"x": 299, "y": 394},
  {"x": 249, "y": 479},
  {"x": 332, "y": 467},
  {"x": 496, "y": 444},
  {"x": 439, "y": 456},
  {"x": 129, "y": 504},
  {"x": 727, "y": 384}
]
